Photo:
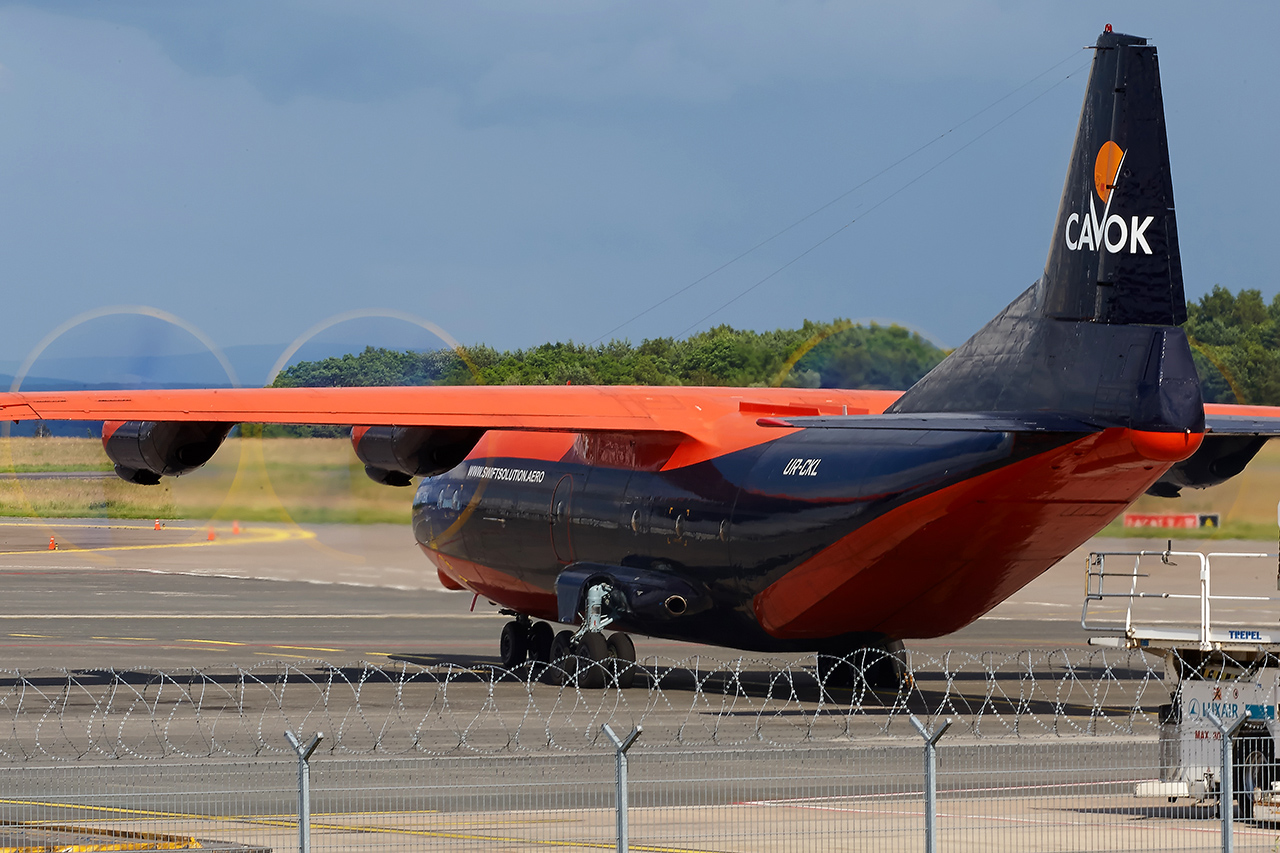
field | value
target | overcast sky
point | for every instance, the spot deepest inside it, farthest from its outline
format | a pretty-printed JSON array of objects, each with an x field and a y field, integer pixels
[{"x": 518, "y": 173}]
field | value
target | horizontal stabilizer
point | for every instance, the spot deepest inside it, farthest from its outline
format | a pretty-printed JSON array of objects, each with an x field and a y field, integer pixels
[
  {"x": 949, "y": 421},
  {"x": 1242, "y": 425}
]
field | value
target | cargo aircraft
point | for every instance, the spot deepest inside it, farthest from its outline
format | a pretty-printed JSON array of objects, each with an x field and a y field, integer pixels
[{"x": 786, "y": 519}]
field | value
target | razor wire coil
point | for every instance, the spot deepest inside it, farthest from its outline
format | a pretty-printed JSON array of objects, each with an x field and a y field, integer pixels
[{"x": 402, "y": 709}]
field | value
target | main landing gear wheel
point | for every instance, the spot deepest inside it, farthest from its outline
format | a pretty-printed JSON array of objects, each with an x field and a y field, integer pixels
[
  {"x": 590, "y": 661},
  {"x": 880, "y": 668},
  {"x": 522, "y": 640},
  {"x": 885, "y": 666},
  {"x": 622, "y": 660},
  {"x": 834, "y": 671},
  {"x": 514, "y": 644},
  {"x": 593, "y": 652},
  {"x": 563, "y": 658},
  {"x": 541, "y": 635}
]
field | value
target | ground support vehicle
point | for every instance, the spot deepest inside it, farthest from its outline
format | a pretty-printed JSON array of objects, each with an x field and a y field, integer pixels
[{"x": 1229, "y": 670}]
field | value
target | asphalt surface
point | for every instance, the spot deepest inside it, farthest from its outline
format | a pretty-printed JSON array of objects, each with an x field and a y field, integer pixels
[
  {"x": 122, "y": 594},
  {"x": 474, "y": 760}
]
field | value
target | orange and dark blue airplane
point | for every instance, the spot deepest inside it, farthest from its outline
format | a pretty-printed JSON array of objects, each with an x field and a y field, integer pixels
[{"x": 795, "y": 519}]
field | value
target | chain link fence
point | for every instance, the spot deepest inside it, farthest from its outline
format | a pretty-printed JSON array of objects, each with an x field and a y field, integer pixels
[
  {"x": 1056, "y": 796},
  {"x": 1045, "y": 753}
]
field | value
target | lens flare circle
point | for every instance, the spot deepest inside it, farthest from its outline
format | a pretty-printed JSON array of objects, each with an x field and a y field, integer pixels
[
  {"x": 6, "y": 430},
  {"x": 357, "y": 314}
]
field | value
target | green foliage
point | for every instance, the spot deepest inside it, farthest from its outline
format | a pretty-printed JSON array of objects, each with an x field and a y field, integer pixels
[
  {"x": 1235, "y": 341},
  {"x": 376, "y": 367},
  {"x": 830, "y": 355},
  {"x": 881, "y": 357}
]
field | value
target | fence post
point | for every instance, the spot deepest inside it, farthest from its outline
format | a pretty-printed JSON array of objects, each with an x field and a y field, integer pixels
[
  {"x": 620, "y": 747},
  {"x": 930, "y": 780},
  {"x": 1226, "y": 785},
  {"x": 304, "y": 787}
]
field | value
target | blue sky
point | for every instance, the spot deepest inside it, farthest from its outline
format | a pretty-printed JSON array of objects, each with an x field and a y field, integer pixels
[{"x": 517, "y": 173}]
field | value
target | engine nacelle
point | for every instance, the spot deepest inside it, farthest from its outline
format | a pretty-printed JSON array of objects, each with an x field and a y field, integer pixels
[
  {"x": 145, "y": 451},
  {"x": 394, "y": 455},
  {"x": 1219, "y": 458}
]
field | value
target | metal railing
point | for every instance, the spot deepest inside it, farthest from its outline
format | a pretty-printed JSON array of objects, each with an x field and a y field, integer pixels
[{"x": 1204, "y": 635}]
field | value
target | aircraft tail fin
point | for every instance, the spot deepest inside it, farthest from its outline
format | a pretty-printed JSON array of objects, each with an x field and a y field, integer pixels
[
  {"x": 1096, "y": 337},
  {"x": 1114, "y": 256}
]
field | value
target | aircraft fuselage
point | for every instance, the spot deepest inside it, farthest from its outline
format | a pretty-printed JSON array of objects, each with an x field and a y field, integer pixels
[{"x": 813, "y": 539}]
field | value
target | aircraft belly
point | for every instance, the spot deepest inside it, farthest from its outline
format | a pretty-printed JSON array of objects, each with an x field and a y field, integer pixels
[{"x": 933, "y": 565}]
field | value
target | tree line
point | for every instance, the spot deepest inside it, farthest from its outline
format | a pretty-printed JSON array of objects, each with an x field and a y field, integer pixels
[
  {"x": 839, "y": 354},
  {"x": 1235, "y": 341}
]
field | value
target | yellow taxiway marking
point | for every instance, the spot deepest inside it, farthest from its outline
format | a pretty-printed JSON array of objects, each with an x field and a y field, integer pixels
[
  {"x": 210, "y": 642},
  {"x": 279, "y": 655},
  {"x": 308, "y": 648},
  {"x": 379, "y": 654},
  {"x": 271, "y": 820},
  {"x": 34, "y": 636},
  {"x": 366, "y": 829},
  {"x": 111, "y": 809},
  {"x": 282, "y": 819}
]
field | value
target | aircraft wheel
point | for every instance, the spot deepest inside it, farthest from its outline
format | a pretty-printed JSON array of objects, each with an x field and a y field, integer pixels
[
  {"x": 1244, "y": 805},
  {"x": 541, "y": 636},
  {"x": 563, "y": 658},
  {"x": 885, "y": 666},
  {"x": 622, "y": 655},
  {"x": 593, "y": 653},
  {"x": 1249, "y": 776},
  {"x": 514, "y": 644},
  {"x": 834, "y": 671}
]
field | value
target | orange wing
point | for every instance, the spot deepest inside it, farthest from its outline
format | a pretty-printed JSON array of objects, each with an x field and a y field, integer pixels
[{"x": 570, "y": 408}]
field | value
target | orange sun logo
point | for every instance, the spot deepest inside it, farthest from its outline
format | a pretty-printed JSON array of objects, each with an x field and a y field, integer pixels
[{"x": 1106, "y": 169}]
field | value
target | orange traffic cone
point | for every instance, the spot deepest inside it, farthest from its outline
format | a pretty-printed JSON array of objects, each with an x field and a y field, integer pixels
[
  {"x": 157, "y": 524},
  {"x": 235, "y": 528},
  {"x": 53, "y": 546},
  {"x": 211, "y": 536}
]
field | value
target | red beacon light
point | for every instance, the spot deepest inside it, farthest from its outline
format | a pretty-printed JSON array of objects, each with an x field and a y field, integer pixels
[{"x": 1107, "y": 28}]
